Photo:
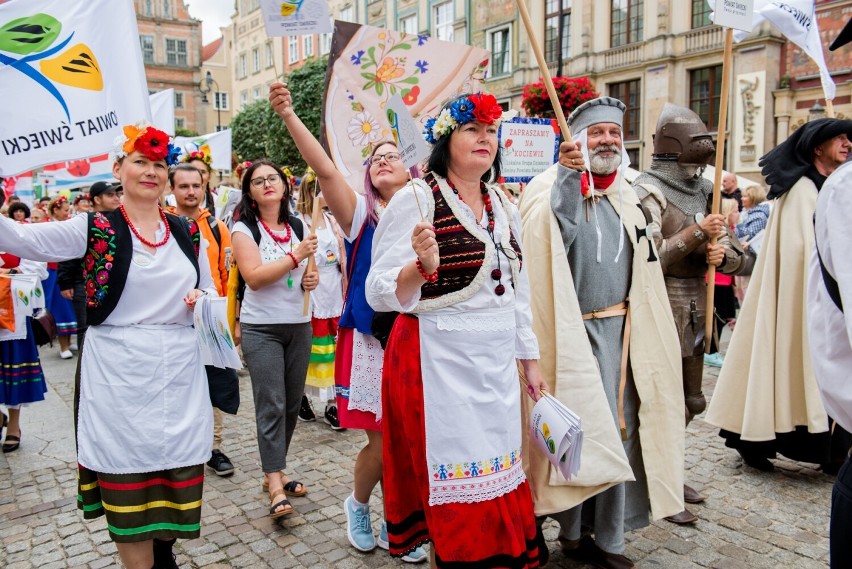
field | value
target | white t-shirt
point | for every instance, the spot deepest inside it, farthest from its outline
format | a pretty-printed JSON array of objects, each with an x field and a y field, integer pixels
[{"x": 282, "y": 301}]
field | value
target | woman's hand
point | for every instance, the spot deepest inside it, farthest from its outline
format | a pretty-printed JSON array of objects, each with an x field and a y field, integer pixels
[
  {"x": 282, "y": 102},
  {"x": 310, "y": 280},
  {"x": 535, "y": 381},
  {"x": 306, "y": 248},
  {"x": 426, "y": 246},
  {"x": 192, "y": 296}
]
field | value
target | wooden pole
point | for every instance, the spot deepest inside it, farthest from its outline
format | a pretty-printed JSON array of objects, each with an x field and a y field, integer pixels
[
  {"x": 545, "y": 71},
  {"x": 829, "y": 108},
  {"x": 717, "y": 181},
  {"x": 312, "y": 260}
]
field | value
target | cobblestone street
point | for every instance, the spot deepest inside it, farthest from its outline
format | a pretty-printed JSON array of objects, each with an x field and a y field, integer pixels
[{"x": 750, "y": 519}]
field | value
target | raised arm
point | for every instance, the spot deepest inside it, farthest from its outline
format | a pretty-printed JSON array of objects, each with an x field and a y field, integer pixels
[
  {"x": 338, "y": 194},
  {"x": 54, "y": 241}
]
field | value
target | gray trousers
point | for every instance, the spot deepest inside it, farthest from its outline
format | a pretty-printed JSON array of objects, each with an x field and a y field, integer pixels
[{"x": 277, "y": 357}]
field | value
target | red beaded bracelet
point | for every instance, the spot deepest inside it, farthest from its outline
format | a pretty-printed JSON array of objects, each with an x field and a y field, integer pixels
[
  {"x": 429, "y": 278},
  {"x": 295, "y": 260}
]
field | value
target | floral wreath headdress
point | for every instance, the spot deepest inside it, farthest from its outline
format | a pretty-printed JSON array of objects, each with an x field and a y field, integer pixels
[
  {"x": 241, "y": 168},
  {"x": 205, "y": 157},
  {"x": 152, "y": 142},
  {"x": 480, "y": 107}
]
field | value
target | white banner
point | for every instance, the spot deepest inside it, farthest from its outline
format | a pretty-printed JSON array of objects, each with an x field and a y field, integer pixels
[
  {"x": 407, "y": 134},
  {"x": 295, "y": 17},
  {"x": 71, "y": 76},
  {"x": 22, "y": 186},
  {"x": 796, "y": 20},
  {"x": 163, "y": 111},
  {"x": 73, "y": 174},
  {"x": 217, "y": 144},
  {"x": 528, "y": 147}
]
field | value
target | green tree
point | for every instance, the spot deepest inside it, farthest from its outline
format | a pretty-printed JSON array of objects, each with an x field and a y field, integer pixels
[
  {"x": 258, "y": 132},
  {"x": 185, "y": 132}
]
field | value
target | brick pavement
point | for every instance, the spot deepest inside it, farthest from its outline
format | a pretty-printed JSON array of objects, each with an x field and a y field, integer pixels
[{"x": 750, "y": 520}]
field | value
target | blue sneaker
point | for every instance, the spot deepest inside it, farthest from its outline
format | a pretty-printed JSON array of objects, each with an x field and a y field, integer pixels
[
  {"x": 358, "y": 528},
  {"x": 714, "y": 360},
  {"x": 419, "y": 555}
]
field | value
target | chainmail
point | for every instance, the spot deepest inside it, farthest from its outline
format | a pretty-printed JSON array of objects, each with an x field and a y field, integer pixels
[{"x": 690, "y": 195}]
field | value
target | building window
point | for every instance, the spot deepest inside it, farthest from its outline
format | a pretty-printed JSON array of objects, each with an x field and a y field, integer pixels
[
  {"x": 178, "y": 100},
  {"x": 270, "y": 57},
  {"x": 176, "y": 52},
  {"x": 242, "y": 67},
  {"x": 147, "y": 43},
  {"x": 556, "y": 11},
  {"x": 220, "y": 101},
  {"x": 442, "y": 18},
  {"x": 255, "y": 93},
  {"x": 180, "y": 122},
  {"x": 499, "y": 43},
  {"x": 166, "y": 9},
  {"x": 243, "y": 98},
  {"x": 627, "y": 23},
  {"x": 149, "y": 11},
  {"x": 254, "y": 5},
  {"x": 292, "y": 49},
  {"x": 325, "y": 44},
  {"x": 701, "y": 11},
  {"x": 408, "y": 24},
  {"x": 255, "y": 60},
  {"x": 307, "y": 46},
  {"x": 346, "y": 14},
  {"x": 705, "y": 92},
  {"x": 630, "y": 94}
]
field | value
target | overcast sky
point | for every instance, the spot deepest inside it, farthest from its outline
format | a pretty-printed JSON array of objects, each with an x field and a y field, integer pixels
[{"x": 213, "y": 13}]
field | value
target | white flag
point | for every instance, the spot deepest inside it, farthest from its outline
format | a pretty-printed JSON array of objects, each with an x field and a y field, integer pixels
[
  {"x": 217, "y": 144},
  {"x": 71, "y": 76},
  {"x": 163, "y": 111},
  {"x": 796, "y": 20}
]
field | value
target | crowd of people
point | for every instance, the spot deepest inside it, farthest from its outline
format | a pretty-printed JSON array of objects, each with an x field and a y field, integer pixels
[{"x": 406, "y": 311}]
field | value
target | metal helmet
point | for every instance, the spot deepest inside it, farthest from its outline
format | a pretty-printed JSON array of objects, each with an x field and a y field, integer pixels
[{"x": 682, "y": 136}]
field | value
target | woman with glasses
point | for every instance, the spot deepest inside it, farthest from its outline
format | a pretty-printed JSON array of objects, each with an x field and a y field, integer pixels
[
  {"x": 271, "y": 249},
  {"x": 358, "y": 365},
  {"x": 452, "y": 424}
]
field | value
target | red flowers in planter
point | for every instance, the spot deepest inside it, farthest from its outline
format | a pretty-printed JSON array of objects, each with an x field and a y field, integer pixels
[{"x": 571, "y": 91}]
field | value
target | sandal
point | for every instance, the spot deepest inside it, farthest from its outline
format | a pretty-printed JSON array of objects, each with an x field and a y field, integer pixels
[
  {"x": 291, "y": 486},
  {"x": 13, "y": 445},
  {"x": 274, "y": 513},
  {"x": 266, "y": 482},
  {"x": 3, "y": 422}
]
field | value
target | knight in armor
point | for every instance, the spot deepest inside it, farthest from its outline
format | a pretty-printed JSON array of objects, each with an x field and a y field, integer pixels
[
  {"x": 609, "y": 344},
  {"x": 678, "y": 198},
  {"x": 767, "y": 400}
]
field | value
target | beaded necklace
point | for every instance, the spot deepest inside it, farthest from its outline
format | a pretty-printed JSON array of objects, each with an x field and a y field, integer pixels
[
  {"x": 142, "y": 239},
  {"x": 497, "y": 273}
]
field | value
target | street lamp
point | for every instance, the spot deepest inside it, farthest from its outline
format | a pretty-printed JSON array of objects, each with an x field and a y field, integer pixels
[
  {"x": 206, "y": 86},
  {"x": 816, "y": 112}
]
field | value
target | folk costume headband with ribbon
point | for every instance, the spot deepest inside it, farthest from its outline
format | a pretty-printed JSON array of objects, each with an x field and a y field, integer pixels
[
  {"x": 205, "y": 157},
  {"x": 465, "y": 109},
  {"x": 590, "y": 113},
  {"x": 152, "y": 142}
]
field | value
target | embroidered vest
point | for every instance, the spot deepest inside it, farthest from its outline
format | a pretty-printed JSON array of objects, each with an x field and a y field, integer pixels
[
  {"x": 462, "y": 253},
  {"x": 107, "y": 260}
]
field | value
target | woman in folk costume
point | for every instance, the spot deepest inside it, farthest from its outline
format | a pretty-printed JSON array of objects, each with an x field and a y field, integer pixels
[
  {"x": 60, "y": 307},
  {"x": 21, "y": 377},
  {"x": 452, "y": 416},
  {"x": 608, "y": 343},
  {"x": 766, "y": 399},
  {"x": 143, "y": 417},
  {"x": 360, "y": 356},
  {"x": 326, "y": 301}
]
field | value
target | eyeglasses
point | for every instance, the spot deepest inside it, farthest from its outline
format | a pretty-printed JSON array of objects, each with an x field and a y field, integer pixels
[
  {"x": 271, "y": 179},
  {"x": 387, "y": 156}
]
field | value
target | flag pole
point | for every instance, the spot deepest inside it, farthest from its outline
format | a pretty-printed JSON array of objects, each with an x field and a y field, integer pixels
[
  {"x": 312, "y": 262},
  {"x": 717, "y": 181},
  {"x": 545, "y": 70}
]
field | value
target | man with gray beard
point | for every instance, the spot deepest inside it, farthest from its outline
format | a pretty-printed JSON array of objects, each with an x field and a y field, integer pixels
[
  {"x": 603, "y": 277},
  {"x": 678, "y": 199}
]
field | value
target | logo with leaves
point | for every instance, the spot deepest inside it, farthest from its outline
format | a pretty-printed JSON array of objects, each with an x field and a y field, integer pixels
[{"x": 32, "y": 40}]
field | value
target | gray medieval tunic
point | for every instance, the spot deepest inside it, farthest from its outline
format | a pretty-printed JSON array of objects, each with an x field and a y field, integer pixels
[{"x": 600, "y": 285}]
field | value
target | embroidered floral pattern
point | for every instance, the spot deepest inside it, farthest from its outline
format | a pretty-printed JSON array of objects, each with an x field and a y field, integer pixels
[
  {"x": 476, "y": 468},
  {"x": 99, "y": 260},
  {"x": 194, "y": 234}
]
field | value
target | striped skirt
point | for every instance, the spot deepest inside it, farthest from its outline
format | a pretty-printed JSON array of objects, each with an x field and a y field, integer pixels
[
  {"x": 138, "y": 507},
  {"x": 323, "y": 348}
]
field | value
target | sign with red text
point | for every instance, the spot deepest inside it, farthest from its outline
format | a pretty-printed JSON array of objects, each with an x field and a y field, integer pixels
[{"x": 528, "y": 147}]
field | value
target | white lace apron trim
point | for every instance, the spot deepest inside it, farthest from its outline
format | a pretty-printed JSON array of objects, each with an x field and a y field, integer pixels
[{"x": 365, "y": 384}]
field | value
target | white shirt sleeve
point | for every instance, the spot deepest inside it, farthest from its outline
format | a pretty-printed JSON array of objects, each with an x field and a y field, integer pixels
[
  {"x": 28, "y": 267},
  {"x": 392, "y": 250},
  {"x": 205, "y": 277},
  {"x": 526, "y": 344},
  {"x": 50, "y": 241}
]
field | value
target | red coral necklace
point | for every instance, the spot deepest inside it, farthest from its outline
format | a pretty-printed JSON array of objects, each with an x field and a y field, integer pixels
[
  {"x": 276, "y": 238},
  {"x": 142, "y": 239}
]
